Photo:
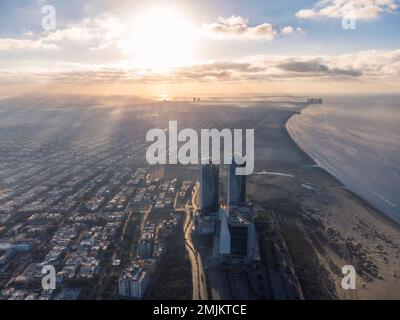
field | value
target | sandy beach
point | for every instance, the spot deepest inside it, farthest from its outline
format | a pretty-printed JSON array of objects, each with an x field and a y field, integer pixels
[{"x": 325, "y": 225}]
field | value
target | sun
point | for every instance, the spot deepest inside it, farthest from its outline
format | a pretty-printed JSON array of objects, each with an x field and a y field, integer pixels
[{"x": 162, "y": 39}]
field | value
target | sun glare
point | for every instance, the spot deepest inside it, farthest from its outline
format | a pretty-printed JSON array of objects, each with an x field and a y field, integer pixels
[{"x": 162, "y": 39}]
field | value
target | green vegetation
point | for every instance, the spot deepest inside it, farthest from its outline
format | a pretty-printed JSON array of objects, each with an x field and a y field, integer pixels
[{"x": 175, "y": 275}]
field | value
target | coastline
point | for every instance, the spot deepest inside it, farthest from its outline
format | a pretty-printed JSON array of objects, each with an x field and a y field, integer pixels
[{"x": 378, "y": 213}]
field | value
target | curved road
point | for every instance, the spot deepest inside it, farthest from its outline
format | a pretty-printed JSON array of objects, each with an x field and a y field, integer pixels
[{"x": 198, "y": 275}]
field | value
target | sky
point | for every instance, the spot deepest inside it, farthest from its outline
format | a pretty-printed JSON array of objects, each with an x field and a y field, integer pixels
[{"x": 182, "y": 47}]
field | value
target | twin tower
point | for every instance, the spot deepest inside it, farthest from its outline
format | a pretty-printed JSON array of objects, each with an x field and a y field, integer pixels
[{"x": 209, "y": 187}]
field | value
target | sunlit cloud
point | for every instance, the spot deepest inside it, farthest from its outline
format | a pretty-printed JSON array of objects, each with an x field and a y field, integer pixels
[
  {"x": 238, "y": 27},
  {"x": 102, "y": 32},
  {"x": 287, "y": 30},
  {"x": 25, "y": 44},
  {"x": 364, "y": 9},
  {"x": 367, "y": 65}
]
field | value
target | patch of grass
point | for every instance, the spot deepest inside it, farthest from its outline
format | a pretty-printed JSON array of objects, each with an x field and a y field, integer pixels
[{"x": 175, "y": 278}]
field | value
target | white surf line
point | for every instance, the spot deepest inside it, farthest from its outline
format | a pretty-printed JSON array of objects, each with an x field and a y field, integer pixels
[
  {"x": 384, "y": 199},
  {"x": 275, "y": 174}
]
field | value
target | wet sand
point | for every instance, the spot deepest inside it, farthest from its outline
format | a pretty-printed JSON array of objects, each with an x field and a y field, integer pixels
[{"x": 325, "y": 225}]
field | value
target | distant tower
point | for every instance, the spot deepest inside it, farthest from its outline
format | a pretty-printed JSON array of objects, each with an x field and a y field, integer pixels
[
  {"x": 236, "y": 185},
  {"x": 209, "y": 187}
]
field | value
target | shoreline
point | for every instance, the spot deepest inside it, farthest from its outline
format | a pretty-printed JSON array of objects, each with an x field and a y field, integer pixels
[{"x": 371, "y": 207}]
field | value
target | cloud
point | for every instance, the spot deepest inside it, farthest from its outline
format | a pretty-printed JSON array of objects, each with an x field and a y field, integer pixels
[
  {"x": 306, "y": 14},
  {"x": 287, "y": 30},
  {"x": 363, "y": 66},
  {"x": 23, "y": 44},
  {"x": 110, "y": 34},
  {"x": 238, "y": 27},
  {"x": 103, "y": 32},
  {"x": 280, "y": 67},
  {"x": 316, "y": 68},
  {"x": 363, "y": 9}
]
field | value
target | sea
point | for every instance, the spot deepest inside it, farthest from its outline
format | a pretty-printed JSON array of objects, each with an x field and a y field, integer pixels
[{"x": 356, "y": 139}]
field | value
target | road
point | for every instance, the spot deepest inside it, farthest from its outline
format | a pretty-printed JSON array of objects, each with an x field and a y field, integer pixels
[{"x": 198, "y": 275}]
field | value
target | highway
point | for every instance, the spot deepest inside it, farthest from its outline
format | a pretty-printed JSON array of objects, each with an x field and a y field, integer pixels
[{"x": 198, "y": 275}]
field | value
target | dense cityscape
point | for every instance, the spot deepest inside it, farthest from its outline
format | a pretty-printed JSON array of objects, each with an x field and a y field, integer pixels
[
  {"x": 103, "y": 218},
  {"x": 78, "y": 197}
]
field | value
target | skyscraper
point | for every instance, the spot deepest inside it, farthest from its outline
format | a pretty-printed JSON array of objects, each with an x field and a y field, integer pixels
[
  {"x": 236, "y": 185},
  {"x": 209, "y": 187}
]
